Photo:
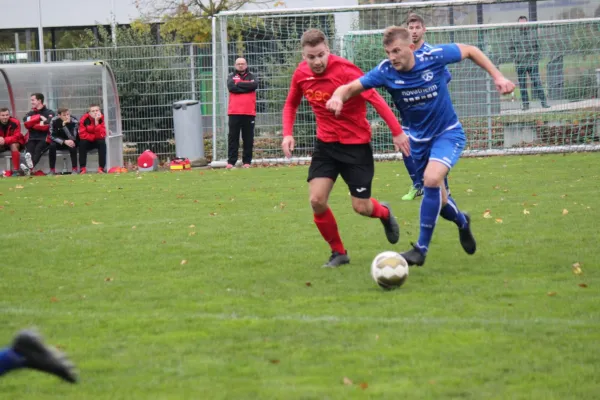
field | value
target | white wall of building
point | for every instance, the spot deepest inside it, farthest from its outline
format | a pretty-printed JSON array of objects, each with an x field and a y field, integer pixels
[{"x": 62, "y": 13}]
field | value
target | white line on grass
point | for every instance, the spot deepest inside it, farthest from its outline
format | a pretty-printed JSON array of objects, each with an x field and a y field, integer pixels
[{"x": 332, "y": 319}]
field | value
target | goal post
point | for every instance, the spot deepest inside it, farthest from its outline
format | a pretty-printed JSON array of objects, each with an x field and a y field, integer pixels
[{"x": 568, "y": 62}]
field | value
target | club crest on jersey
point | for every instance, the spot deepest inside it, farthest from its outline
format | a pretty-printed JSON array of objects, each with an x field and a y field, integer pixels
[{"x": 427, "y": 75}]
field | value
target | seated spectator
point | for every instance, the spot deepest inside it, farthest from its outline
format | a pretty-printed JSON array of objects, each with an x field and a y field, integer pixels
[
  {"x": 92, "y": 135},
  {"x": 63, "y": 136},
  {"x": 37, "y": 122},
  {"x": 11, "y": 139}
]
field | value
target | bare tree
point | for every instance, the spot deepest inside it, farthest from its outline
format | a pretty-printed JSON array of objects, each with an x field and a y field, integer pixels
[{"x": 159, "y": 9}]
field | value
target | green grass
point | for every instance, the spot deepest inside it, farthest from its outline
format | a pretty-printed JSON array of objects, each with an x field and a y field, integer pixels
[{"x": 238, "y": 320}]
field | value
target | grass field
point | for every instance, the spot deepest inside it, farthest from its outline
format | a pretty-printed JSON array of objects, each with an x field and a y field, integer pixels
[{"x": 207, "y": 285}]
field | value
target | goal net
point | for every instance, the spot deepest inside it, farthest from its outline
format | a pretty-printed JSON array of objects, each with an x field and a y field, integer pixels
[{"x": 568, "y": 60}]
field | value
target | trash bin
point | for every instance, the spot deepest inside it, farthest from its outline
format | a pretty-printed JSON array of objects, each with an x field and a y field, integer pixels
[{"x": 187, "y": 124}]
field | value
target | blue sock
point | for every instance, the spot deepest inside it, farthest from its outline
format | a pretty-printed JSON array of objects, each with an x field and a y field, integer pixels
[
  {"x": 430, "y": 209},
  {"x": 9, "y": 360},
  {"x": 411, "y": 167},
  {"x": 451, "y": 212}
]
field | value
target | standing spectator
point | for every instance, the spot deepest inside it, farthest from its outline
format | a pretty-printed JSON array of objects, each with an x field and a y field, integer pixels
[
  {"x": 11, "y": 139},
  {"x": 63, "y": 136},
  {"x": 242, "y": 86},
  {"x": 526, "y": 49},
  {"x": 37, "y": 123},
  {"x": 92, "y": 135}
]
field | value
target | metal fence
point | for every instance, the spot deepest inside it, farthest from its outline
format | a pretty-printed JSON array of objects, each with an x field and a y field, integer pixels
[{"x": 151, "y": 78}]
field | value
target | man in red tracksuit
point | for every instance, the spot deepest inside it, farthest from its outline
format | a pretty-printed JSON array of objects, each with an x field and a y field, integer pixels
[
  {"x": 92, "y": 135},
  {"x": 37, "y": 123},
  {"x": 242, "y": 86},
  {"x": 11, "y": 139}
]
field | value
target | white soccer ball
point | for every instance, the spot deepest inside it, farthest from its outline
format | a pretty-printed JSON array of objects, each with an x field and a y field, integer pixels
[{"x": 389, "y": 270}]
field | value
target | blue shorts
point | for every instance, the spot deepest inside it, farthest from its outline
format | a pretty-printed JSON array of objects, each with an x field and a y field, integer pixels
[{"x": 445, "y": 148}]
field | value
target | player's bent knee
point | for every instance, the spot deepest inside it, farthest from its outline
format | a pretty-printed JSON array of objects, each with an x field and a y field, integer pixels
[
  {"x": 362, "y": 206},
  {"x": 318, "y": 203}
]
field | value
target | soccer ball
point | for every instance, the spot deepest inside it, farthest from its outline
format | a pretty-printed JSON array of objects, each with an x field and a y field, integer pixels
[{"x": 389, "y": 270}]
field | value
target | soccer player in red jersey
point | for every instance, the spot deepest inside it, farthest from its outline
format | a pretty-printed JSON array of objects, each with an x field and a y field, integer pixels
[{"x": 343, "y": 145}]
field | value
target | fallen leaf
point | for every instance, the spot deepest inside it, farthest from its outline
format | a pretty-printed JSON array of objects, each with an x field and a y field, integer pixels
[
  {"x": 563, "y": 196},
  {"x": 96, "y": 223},
  {"x": 191, "y": 233},
  {"x": 164, "y": 241},
  {"x": 53, "y": 300},
  {"x": 577, "y": 269},
  {"x": 487, "y": 214},
  {"x": 526, "y": 212},
  {"x": 376, "y": 337},
  {"x": 274, "y": 361},
  {"x": 499, "y": 220},
  {"x": 565, "y": 211},
  {"x": 582, "y": 285},
  {"x": 195, "y": 201},
  {"x": 534, "y": 195},
  {"x": 308, "y": 284},
  {"x": 192, "y": 226},
  {"x": 133, "y": 227},
  {"x": 88, "y": 204},
  {"x": 109, "y": 279},
  {"x": 19, "y": 187},
  {"x": 469, "y": 190},
  {"x": 212, "y": 214},
  {"x": 551, "y": 294},
  {"x": 183, "y": 262},
  {"x": 282, "y": 205},
  {"x": 364, "y": 385},
  {"x": 347, "y": 382}
]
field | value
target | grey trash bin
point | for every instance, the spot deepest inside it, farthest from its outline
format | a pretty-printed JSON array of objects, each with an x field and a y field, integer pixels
[{"x": 187, "y": 124}]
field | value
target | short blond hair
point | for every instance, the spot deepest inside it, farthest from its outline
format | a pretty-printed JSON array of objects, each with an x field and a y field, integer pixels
[{"x": 393, "y": 33}]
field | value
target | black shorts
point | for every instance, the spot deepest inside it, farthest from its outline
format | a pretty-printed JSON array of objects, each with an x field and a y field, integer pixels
[
  {"x": 353, "y": 161},
  {"x": 6, "y": 147}
]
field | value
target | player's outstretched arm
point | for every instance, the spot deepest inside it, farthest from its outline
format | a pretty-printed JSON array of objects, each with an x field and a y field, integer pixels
[
  {"x": 503, "y": 85},
  {"x": 342, "y": 94}
]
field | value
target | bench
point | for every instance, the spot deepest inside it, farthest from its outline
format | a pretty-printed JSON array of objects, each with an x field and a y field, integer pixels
[{"x": 44, "y": 164}]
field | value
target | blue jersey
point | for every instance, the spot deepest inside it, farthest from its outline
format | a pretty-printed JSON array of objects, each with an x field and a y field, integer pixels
[
  {"x": 421, "y": 94},
  {"x": 427, "y": 47}
]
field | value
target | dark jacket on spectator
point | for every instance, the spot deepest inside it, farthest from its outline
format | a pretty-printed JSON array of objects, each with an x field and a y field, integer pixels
[
  {"x": 11, "y": 132},
  {"x": 88, "y": 130},
  {"x": 33, "y": 123},
  {"x": 242, "y": 93},
  {"x": 525, "y": 46},
  {"x": 59, "y": 132}
]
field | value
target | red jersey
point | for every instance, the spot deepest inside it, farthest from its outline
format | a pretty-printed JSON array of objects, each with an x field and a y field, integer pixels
[
  {"x": 11, "y": 132},
  {"x": 351, "y": 126}
]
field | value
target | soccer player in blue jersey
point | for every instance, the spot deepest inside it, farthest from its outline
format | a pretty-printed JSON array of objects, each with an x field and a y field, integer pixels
[
  {"x": 416, "y": 27},
  {"x": 419, "y": 89}
]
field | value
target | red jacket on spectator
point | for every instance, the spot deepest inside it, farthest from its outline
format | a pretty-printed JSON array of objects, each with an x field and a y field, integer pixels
[
  {"x": 32, "y": 122},
  {"x": 88, "y": 130},
  {"x": 11, "y": 132}
]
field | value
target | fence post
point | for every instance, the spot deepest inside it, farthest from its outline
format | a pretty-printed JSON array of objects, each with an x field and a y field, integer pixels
[{"x": 192, "y": 71}]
